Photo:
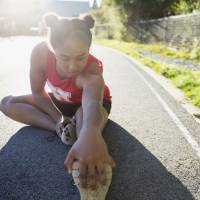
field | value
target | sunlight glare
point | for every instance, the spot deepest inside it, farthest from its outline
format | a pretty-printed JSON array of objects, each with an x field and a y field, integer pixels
[{"x": 22, "y": 7}]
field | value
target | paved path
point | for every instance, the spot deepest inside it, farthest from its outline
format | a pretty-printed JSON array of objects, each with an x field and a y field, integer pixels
[{"x": 154, "y": 160}]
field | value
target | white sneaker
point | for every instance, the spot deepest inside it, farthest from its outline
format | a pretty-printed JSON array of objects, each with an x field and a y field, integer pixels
[
  {"x": 67, "y": 133},
  {"x": 88, "y": 194}
]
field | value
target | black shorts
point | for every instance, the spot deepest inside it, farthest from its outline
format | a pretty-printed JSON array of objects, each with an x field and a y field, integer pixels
[{"x": 69, "y": 110}]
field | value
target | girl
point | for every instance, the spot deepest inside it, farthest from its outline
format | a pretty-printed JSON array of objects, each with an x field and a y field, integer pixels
[{"x": 78, "y": 97}]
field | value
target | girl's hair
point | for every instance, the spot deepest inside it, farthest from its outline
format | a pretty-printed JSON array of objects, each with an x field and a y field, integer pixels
[{"x": 62, "y": 28}]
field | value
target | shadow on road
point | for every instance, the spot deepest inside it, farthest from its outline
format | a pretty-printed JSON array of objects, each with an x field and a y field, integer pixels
[{"x": 32, "y": 167}]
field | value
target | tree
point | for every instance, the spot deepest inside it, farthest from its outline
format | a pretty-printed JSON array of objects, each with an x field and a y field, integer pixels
[
  {"x": 151, "y": 9},
  {"x": 113, "y": 18},
  {"x": 185, "y": 6},
  {"x": 146, "y": 9}
]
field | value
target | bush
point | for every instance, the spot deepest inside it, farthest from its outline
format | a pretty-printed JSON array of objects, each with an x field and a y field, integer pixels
[
  {"x": 112, "y": 15},
  {"x": 185, "y": 6}
]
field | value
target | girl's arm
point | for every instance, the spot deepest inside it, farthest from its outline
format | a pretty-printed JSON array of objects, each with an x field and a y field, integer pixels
[
  {"x": 38, "y": 80},
  {"x": 92, "y": 101},
  {"x": 90, "y": 148}
]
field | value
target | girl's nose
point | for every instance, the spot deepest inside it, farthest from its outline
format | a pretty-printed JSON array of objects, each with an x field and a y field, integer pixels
[{"x": 72, "y": 66}]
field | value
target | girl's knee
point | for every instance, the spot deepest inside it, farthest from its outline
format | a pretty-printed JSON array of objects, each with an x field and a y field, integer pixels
[{"x": 5, "y": 102}]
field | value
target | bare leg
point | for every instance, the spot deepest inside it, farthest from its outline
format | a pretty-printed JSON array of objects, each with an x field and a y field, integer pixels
[
  {"x": 79, "y": 118},
  {"x": 23, "y": 109}
]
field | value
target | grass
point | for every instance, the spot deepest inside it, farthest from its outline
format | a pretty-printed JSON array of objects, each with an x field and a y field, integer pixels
[
  {"x": 187, "y": 80},
  {"x": 192, "y": 54}
]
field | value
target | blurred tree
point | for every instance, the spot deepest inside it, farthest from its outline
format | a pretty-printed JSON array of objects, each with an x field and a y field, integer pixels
[
  {"x": 111, "y": 21},
  {"x": 185, "y": 6},
  {"x": 151, "y": 9},
  {"x": 125, "y": 13},
  {"x": 146, "y": 9}
]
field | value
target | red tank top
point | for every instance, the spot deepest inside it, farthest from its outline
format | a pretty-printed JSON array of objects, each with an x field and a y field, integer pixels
[{"x": 65, "y": 90}]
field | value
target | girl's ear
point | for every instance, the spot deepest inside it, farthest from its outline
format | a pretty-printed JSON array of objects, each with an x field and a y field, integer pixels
[
  {"x": 50, "y": 19},
  {"x": 89, "y": 20}
]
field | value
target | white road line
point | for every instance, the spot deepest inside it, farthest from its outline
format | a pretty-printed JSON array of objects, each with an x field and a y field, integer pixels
[{"x": 176, "y": 120}]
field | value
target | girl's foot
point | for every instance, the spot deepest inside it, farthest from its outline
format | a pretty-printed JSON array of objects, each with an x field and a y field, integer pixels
[
  {"x": 67, "y": 132},
  {"x": 101, "y": 190}
]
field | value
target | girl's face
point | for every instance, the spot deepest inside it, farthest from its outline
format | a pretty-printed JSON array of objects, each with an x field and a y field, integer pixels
[{"x": 71, "y": 58}]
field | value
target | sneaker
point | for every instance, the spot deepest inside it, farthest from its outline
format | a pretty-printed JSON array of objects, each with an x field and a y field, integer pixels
[
  {"x": 88, "y": 194},
  {"x": 67, "y": 132}
]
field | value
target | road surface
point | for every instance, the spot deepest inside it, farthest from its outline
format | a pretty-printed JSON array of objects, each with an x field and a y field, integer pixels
[{"x": 154, "y": 141}]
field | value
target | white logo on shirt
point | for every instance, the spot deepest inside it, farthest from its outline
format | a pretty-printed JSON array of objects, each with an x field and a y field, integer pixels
[{"x": 60, "y": 94}]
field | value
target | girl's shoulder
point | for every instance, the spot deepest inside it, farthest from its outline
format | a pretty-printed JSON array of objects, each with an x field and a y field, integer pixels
[{"x": 39, "y": 54}]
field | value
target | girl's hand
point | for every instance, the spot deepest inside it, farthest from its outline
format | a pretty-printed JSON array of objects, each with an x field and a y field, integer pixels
[{"x": 91, "y": 152}]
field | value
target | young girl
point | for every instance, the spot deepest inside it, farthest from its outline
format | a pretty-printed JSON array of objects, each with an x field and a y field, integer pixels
[{"x": 78, "y": 97}]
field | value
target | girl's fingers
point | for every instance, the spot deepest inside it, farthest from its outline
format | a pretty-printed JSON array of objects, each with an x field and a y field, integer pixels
[
  {"x": 83, "y": 174},
  {"x": 91, "y": 177},
  {"x": 101, "y": 173},
  {"x": 69, "y": 161},
  {"x": 111, "y": 162}
]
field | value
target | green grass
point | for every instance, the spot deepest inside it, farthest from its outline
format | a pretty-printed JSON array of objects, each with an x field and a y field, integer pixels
[
  {"x": 187, "y": 80},
  {"x": 192, "y": 54}
]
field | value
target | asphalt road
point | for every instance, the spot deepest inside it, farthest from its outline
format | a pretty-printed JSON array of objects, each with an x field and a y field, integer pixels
[{"x": 154, "y": 159}]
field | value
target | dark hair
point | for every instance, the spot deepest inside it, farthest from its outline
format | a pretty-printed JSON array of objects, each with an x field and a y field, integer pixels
[{"x": 61, "y": 28}]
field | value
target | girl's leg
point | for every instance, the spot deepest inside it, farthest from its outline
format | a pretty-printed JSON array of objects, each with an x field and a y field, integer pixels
[
  {"x": 79, "y": 118},
  {"x": 24, "y": 110}
]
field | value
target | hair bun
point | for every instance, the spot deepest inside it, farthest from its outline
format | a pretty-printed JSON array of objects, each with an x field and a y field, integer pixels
[
  {"x": 50, "y": 19},
  {"x": 89, "y": 20}
]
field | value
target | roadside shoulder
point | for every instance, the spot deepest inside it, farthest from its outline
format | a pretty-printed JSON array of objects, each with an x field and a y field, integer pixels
[{"x": 168, "y": 86}]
